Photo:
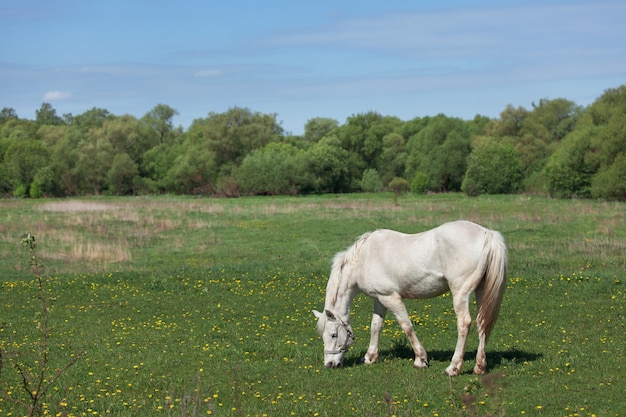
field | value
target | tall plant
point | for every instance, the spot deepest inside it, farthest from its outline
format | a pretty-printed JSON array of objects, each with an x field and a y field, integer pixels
[{"x": 35, "y": 376}]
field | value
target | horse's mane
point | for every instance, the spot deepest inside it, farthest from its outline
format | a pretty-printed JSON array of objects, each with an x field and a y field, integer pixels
[{"x": 341, "y": 261}]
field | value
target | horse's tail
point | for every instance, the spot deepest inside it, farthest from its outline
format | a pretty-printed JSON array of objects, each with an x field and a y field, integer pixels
[{"x": 493, "y": 284}]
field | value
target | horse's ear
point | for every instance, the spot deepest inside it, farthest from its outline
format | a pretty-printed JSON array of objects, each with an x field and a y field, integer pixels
[
  {"x": 317, "y": 314},
  {"x": 330, "y": 315}
]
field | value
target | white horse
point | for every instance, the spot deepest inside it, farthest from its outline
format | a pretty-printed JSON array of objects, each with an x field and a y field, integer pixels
[{"x": 461, "y": 257}]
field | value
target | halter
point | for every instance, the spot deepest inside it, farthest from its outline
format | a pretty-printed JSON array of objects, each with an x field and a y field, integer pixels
[{"x": 347, "y": 343}]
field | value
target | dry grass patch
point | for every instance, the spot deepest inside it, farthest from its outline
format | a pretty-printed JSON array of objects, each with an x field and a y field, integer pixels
[{"x": 74, "y": 206}]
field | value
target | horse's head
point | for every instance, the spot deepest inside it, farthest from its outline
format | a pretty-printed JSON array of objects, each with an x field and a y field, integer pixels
[{"x": 337, "y": 335}]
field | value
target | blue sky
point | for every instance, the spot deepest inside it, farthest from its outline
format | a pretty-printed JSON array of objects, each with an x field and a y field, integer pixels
[{"x": 302, "y": 60}]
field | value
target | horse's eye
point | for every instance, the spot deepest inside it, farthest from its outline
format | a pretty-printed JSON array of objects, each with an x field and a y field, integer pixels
[{"x": 334, "y": 335}]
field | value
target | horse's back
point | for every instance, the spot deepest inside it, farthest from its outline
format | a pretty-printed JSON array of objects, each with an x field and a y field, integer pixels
[{"x": 421, "y": 265}]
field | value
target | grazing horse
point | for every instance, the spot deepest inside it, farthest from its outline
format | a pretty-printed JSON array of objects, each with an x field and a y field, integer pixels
[{"x": 461, "y": 257}]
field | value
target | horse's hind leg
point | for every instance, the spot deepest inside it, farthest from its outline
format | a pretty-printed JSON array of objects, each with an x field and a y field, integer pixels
[
  {"x": 464, "y": 321},
  {"x": 377, "y": 323},
  {"x": 481, "y": 357}
]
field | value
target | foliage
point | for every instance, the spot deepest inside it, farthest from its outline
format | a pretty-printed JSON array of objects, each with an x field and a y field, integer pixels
[
  {"x": 564, "y": 150},
  {"x": 318, "y": 127},
  {"x": 493, "y": 168},
  {"x": 392, "y": 160},
  {"x": 121, "y": 175},
  {"x": 274, "y": 169},
  {"x": 160, "y": 121},
  {"x": 371, "y": 181},
  {"x": 43, "y": 184},
  {"x": 399, "y": 186},
  {"x": 47, "y": 115},
  {"x": 419, "y": 184},
  {"x": 327, "y": 166},
  {"x": 596, "y": 144},
  {"x": 610, "y": 181},
  {"x": 440, "y": 151},
  {"x": 7, "y": 114},
  {"x": 23, "y": 159}
]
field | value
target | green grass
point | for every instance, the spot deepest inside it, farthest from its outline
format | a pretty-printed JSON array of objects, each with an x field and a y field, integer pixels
[{"x": 191, "y": 306}]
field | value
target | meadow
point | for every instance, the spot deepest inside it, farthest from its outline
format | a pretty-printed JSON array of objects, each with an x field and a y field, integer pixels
[{"x": 194, "y": 306}]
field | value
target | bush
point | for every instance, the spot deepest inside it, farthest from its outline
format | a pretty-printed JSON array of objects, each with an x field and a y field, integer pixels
[
  {"x": 493, "y": 168},
  {"x": 399, "y": 186},
  {"x": 610, "y": 183},
  {"x": 43, "y": 184},
  {"x": 419, "y": 185},
  {"x": 20, "y": 191},
  {"x": 121, "y": 174},
  {"x": 277, "y": 168},
  {"x": 371, "y": 181}
]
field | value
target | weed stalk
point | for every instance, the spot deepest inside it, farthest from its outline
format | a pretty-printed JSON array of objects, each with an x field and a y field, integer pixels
[{"x": 35, "y": 379}]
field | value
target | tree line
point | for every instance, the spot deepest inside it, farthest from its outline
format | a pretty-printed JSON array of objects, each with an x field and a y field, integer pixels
[{"x": 556, "y": 147}]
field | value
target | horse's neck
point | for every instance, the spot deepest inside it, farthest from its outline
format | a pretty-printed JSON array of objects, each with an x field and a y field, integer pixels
[{"x": 339, "y": 295}]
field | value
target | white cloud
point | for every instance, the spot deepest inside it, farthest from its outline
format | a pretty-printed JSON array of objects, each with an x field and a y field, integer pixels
[{"x": 57, "y": 95}]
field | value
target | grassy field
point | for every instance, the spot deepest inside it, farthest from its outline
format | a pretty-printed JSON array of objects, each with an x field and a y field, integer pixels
[{"x": 192, "y": 307}]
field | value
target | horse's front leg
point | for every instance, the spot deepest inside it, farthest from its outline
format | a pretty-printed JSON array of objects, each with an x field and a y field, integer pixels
[
  {"x": 378, "y": 318},
  {"x": 396, "y": 306}
]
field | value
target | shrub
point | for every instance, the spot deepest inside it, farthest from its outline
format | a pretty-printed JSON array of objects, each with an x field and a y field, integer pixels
[
  {"x": 43, "y": 184},
  {"x": 493, "y": 168},
  {"x": 371, "y": 181},
  {"x": 399, "y": 186},
  {"x": 419, "y": 185},
  {"x": 610, "y": 182}
]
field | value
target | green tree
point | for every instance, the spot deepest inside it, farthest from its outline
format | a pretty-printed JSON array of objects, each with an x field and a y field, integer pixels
[
  {"x": 493, "y": 168},
  {"x": 18, "y": 129},
  {"x": 440, "y": 151},
  {"x": 315, "y": 129},
  {"x": 392, "y": 161},
  {"x": 568, "y": 171},
  {"x": 192, "y": 171},
  {"x": 274, "y": 169},
  {"x": 6, "y": 114},
  {"x": 398, "y": 186},
  {"x": 121, "y": 175},
  {"x": 93, "y": 163},
  {"x": 534, "y": 134},
  {"x": 610, "y": 181},
  {"x": 47, "y": 115},
  {"x": 419, "y": 184},
  {"x": 65, "y": 156},
  {"x": 126, "y": 134},
  {"x": 591, "y": 149},
  {"x": 371, "y": 181},
  {"x": 93, "y": 118},
  {"x": 44, "y": 183},
  {"x": 327, "y": 166},
  {"x": 363, "y": 135},
  {"x": 23, "y": 159},
  {"x": 160, "y": 120},
  {"x": 235, "y": 133}
]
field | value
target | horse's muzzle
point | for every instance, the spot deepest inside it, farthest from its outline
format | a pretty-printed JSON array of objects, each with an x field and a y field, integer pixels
[{"x": 333, "y": 364}]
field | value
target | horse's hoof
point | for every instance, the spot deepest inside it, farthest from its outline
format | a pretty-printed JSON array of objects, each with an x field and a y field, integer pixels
[
  {"x": 479, "y": 371},
  {"x": 420, "y": 364},
  {"x": 452, "y": 371},
  {"x": 368, "y": 360}
]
